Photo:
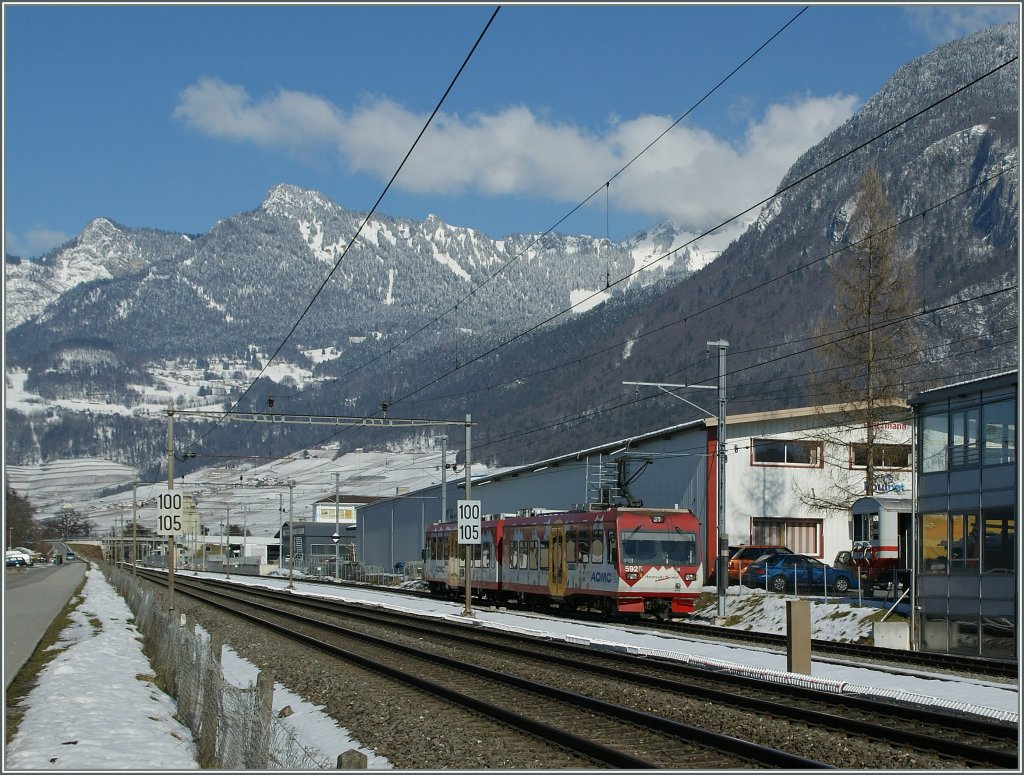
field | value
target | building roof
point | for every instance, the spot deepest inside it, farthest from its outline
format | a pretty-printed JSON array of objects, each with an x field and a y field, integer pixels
[
  {"x": 1003, "y": 378},
  {"x": 350, "y": 499}
]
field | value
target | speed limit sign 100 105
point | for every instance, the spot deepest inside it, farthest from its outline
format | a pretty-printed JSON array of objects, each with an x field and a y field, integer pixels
[
  {"x": 469, "y": 522},
  {"x": 169, "y": 510}
]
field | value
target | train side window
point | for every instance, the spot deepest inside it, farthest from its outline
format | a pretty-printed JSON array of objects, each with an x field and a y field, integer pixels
[
  {"x": 570, "y": 544},
  {"x": 485, "y": 555},
  {"x": 524, "y": 554},
  {"x": 533, "y": 554},
  {"x": 597, "y": 547},
  {"x": 584, "y": 546},
  {"x": 544, "y": 555},
  {"x": 513, "y": 554}
]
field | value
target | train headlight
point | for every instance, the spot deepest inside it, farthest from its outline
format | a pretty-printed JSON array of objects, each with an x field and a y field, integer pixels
[
  {"x": 690, "y": 577},
  {"x": 658, "y": 518},
  {"x": 632, "y": 576}
]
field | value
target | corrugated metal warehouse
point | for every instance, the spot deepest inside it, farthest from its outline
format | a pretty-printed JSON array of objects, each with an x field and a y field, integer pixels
[{"x": 665, "y": 468}]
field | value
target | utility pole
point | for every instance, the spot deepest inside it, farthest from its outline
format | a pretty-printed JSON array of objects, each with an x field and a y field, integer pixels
[
  {"x": 722, "y": 550},
  {"x": 444, "y": 478},
  {"x": 337, "y": 536},
  {"x": 226, "y": 537},
  {"x": 280, "y": 531},
  {"x": 469, "y": 547},
  {"x": 291, "y": 533},
  {"x": 135, "y": 522},
  {"x": 171, "y": 538},
  {"x": 722, "y": 568}
]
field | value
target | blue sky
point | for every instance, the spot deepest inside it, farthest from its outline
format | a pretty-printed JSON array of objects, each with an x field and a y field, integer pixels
[{"x": 176, "y": 116}]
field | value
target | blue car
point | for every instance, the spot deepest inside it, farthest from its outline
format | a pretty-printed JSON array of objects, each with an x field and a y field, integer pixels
[{"x": 799, "y": 573}]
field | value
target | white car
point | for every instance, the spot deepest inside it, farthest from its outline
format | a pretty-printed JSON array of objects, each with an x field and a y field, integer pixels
[{"x": 15, "y": 557}]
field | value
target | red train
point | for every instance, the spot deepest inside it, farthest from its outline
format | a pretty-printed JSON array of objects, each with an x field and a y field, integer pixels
[{"x": 618, "y": 561}]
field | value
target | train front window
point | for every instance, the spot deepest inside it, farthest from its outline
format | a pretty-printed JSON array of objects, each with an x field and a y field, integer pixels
[{"x": 658, "y": 548}]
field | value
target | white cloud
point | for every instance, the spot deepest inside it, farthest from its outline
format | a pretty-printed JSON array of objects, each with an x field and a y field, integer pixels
[
  {"x": 288, "y": 119},
  {"x": 690, "y": 176},
  {"x": 949, "y": 22},
  {"x": 34, "y": 242}
]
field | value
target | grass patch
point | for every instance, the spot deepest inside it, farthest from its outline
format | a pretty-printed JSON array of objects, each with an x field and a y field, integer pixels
[
  {"x": 28, "y": 677},
  {"x": 882, "y": 612}
]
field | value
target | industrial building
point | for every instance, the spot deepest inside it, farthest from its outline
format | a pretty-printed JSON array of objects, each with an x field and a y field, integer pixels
[
  {"x": 775, "y": 464},
  {"x": 967, "y": 496}
]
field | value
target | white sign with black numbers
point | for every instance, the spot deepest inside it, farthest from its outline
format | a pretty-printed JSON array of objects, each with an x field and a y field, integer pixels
[
  {"x": 469, "y": 522},
  {"x": 170, "y": 507}
]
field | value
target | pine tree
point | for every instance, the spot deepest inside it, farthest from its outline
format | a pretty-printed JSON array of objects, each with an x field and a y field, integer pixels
[{"x": 869, "y": 345}]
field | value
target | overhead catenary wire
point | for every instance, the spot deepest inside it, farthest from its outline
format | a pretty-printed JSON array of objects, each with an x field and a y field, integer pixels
[
  {"x": 921, "y": 112},
  {"x": 760, "y": 286},
  {"x": 749, "y": 209},
  {"x": 369, "y": 214},
  {"x": 764, "y": 201},
  {"x": 525, "y": 250}
]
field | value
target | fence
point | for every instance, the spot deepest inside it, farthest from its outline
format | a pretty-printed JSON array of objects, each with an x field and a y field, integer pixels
[{"x": 234, "y": 727}]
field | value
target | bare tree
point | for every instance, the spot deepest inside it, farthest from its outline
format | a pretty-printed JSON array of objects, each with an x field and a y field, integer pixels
[
  {"x": 19, "y": 525},
  {"x": 869, "y": 346}
]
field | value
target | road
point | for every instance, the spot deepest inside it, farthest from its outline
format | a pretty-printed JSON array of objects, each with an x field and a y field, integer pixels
[{"x": 33, "y": 597}]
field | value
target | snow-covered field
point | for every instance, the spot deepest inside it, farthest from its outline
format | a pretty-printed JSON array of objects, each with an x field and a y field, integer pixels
[
  {"x": 250, "y": 491},
  {"x": 246, "y": 491}
]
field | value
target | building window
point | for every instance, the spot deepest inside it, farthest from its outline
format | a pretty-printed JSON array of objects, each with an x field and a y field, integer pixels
[
  {"x": 963, "y": 543},
  {"x": 934, "y": 438},
  {"x": 884, "y": 455},
  {"x": 999, "y": 548},
  {"x": 803, "y": 536},
  {"x": 1000, "y": 441},
  {"x": 934, "y": 543},
  {"x": 785, "y": 452},
  {"x": 963, "y": 438}
]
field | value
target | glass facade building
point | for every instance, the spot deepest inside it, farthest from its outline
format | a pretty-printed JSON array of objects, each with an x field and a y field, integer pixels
[{"x": 967, "y": 506}]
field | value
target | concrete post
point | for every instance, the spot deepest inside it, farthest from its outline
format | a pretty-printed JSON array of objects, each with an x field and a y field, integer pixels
[
  {"x": 352, "y": 760},
  {"x": 798, "y": 636}
]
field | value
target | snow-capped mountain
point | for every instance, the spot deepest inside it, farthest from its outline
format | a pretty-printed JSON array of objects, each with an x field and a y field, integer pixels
[
  {"x": 253, "y": 274},
  {"x": 403, "y": 306}
]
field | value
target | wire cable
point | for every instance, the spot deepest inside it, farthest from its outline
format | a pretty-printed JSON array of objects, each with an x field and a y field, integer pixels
[{"x": 366, "y": 219}]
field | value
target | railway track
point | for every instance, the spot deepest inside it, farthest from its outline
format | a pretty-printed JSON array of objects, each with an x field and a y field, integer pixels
[
  {"x": 979, "y": 667},
  {"x": 560, "y": 666},
  {"x": 560, "y": 718}
]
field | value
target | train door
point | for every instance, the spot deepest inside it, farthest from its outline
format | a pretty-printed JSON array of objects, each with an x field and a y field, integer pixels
[
  {"x": 558, "y": 571},
  {"x": 455, "y": 560}
]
